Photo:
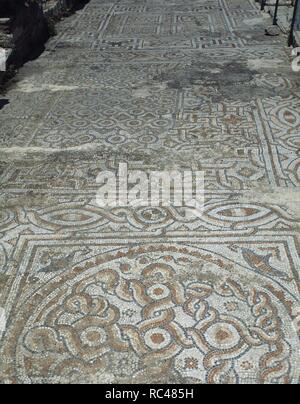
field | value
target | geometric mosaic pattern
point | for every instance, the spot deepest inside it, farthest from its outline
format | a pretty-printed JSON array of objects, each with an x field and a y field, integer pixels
[{"x": 141, "y": 295}]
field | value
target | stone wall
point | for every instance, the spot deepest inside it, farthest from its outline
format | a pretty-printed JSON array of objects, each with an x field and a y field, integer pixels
[{"x": 24, "y": 27}]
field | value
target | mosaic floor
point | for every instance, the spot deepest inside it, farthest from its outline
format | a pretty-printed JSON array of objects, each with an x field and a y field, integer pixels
[{"x": 144, "y": 295}]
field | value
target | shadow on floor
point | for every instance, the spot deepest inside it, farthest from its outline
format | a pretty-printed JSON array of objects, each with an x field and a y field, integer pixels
[{"x": 3, "y": 102}]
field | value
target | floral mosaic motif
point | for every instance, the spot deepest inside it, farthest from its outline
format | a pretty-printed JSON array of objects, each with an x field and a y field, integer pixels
[{"x": 165, "y": 312}]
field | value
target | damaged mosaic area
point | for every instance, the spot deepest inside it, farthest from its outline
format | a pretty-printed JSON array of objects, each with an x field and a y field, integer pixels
[{"x": 143, "y": 295}]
